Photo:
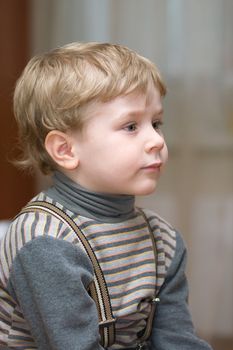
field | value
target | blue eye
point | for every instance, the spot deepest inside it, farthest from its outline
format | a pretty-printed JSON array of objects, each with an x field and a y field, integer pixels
[
  {"x": 157, "y": 124},
  {"x": 131, "y": 127}
]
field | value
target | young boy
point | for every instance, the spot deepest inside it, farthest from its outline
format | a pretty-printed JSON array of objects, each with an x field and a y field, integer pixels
[{"x": 90, "y": 114}]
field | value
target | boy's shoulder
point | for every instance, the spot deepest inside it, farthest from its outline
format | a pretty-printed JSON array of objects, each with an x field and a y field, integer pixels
[
  {"x": 27, "y": 226},
  {"x": 28, "y": 229},
  {"x": 160, "y": 226}
]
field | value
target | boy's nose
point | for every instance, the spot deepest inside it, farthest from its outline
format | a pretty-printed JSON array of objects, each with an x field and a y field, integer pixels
[{"x": 155, "y": 142}]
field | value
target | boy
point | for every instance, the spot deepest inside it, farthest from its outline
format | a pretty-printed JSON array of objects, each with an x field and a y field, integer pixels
[{"x": 91, "y": 115}]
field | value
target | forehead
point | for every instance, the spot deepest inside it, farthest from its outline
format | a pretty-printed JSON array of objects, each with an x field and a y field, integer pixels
[{"x": 133, "y": 103}]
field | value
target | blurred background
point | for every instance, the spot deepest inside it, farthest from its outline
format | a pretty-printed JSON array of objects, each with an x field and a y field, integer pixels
[{"x": 191, "y": 43}]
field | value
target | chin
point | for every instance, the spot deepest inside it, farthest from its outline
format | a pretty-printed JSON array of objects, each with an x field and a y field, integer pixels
[{"x": 146, "y": 190}]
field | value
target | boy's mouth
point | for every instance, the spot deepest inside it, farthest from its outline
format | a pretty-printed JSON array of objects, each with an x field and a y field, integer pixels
[{"x": 153, "y": 166}]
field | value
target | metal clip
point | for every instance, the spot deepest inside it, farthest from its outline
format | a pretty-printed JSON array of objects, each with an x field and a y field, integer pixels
[
  {"x": 107, "y": 323},
  {"x": 155, "y": 300}
]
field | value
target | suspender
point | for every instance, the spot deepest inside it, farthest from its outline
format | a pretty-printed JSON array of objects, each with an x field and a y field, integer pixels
[
  {"x": 155, "y": 299},
  {"x": 98, "y": 288}
]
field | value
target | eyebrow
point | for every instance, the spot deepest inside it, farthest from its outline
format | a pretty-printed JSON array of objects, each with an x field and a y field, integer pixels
[
  {"x": 132, "y": 114},
  {"x": 138, "y": 113}
]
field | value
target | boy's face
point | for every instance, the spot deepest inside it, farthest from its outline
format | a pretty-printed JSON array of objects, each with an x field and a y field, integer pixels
[{"x": 121, "y": 149}]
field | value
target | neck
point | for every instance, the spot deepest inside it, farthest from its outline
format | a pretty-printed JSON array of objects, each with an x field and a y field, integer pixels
[{"x": 100, "y": 206}]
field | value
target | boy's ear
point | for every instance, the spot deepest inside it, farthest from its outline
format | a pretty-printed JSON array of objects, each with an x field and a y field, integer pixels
[{"x": 60, "y": 147}]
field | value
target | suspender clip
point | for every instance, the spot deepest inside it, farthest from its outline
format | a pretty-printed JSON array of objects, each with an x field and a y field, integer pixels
[
  {"x": 155, "y": 300},
  {"x": 107, "y": 323}
]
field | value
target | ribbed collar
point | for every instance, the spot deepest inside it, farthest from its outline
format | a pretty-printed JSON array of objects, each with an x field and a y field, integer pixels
[{"x": 100, "y": 206}]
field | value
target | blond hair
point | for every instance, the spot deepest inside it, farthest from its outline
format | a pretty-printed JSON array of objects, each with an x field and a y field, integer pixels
[{"x": 56, "y": 87}]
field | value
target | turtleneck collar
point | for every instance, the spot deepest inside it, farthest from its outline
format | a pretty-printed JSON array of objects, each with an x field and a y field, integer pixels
[{"x": 99, "y": 206}]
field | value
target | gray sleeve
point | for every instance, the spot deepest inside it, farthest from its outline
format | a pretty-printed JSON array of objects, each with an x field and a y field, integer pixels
[
  {"x": 172, "y": 326},
  {"x": 49, "y": 278}
]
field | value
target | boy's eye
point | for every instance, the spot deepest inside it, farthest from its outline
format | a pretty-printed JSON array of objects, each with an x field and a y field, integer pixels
[
  {"x": 157, "y": 124},
  {"x": 131, "y": 127}
]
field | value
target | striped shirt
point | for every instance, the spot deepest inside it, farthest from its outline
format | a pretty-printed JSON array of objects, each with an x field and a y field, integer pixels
[{"x": 126, "y": 256}]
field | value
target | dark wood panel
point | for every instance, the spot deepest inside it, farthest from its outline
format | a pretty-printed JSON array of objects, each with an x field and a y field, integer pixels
[{"x": 15, "y": 187}]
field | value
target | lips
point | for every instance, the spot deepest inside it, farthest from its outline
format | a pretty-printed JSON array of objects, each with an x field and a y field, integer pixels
[{"x": 153, "y": 166}]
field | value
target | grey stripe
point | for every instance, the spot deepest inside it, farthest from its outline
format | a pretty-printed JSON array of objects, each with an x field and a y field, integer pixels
[
  {"x": 132, "y": 265},
  {"x": 131, "y": 278},
  {"x": 131, "y": 302},
  {"x": 34, "y": 224},
  {"x": 22, "y": 228},
  {"x": 65, "y": 232},
  {"x": 140, "y": 287},
  {"x": 118, "y": 244},
  {"x": 115, "y": 231},
  {"x": 153, "y": 217},
  {"x": 48, "y": 223},
  {"x": 124, "y": 255}
]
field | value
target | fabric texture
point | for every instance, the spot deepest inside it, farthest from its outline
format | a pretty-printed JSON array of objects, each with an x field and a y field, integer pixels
[
  {"x": 44, "y": 303},
  {"x": 101, "y": 206}
]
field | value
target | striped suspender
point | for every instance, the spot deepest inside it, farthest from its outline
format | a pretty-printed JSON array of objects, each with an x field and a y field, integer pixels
[{"x": 98, "y": 289}]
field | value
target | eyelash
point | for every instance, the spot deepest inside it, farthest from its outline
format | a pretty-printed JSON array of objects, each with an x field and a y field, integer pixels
[{"x": 133, "y": 126}]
